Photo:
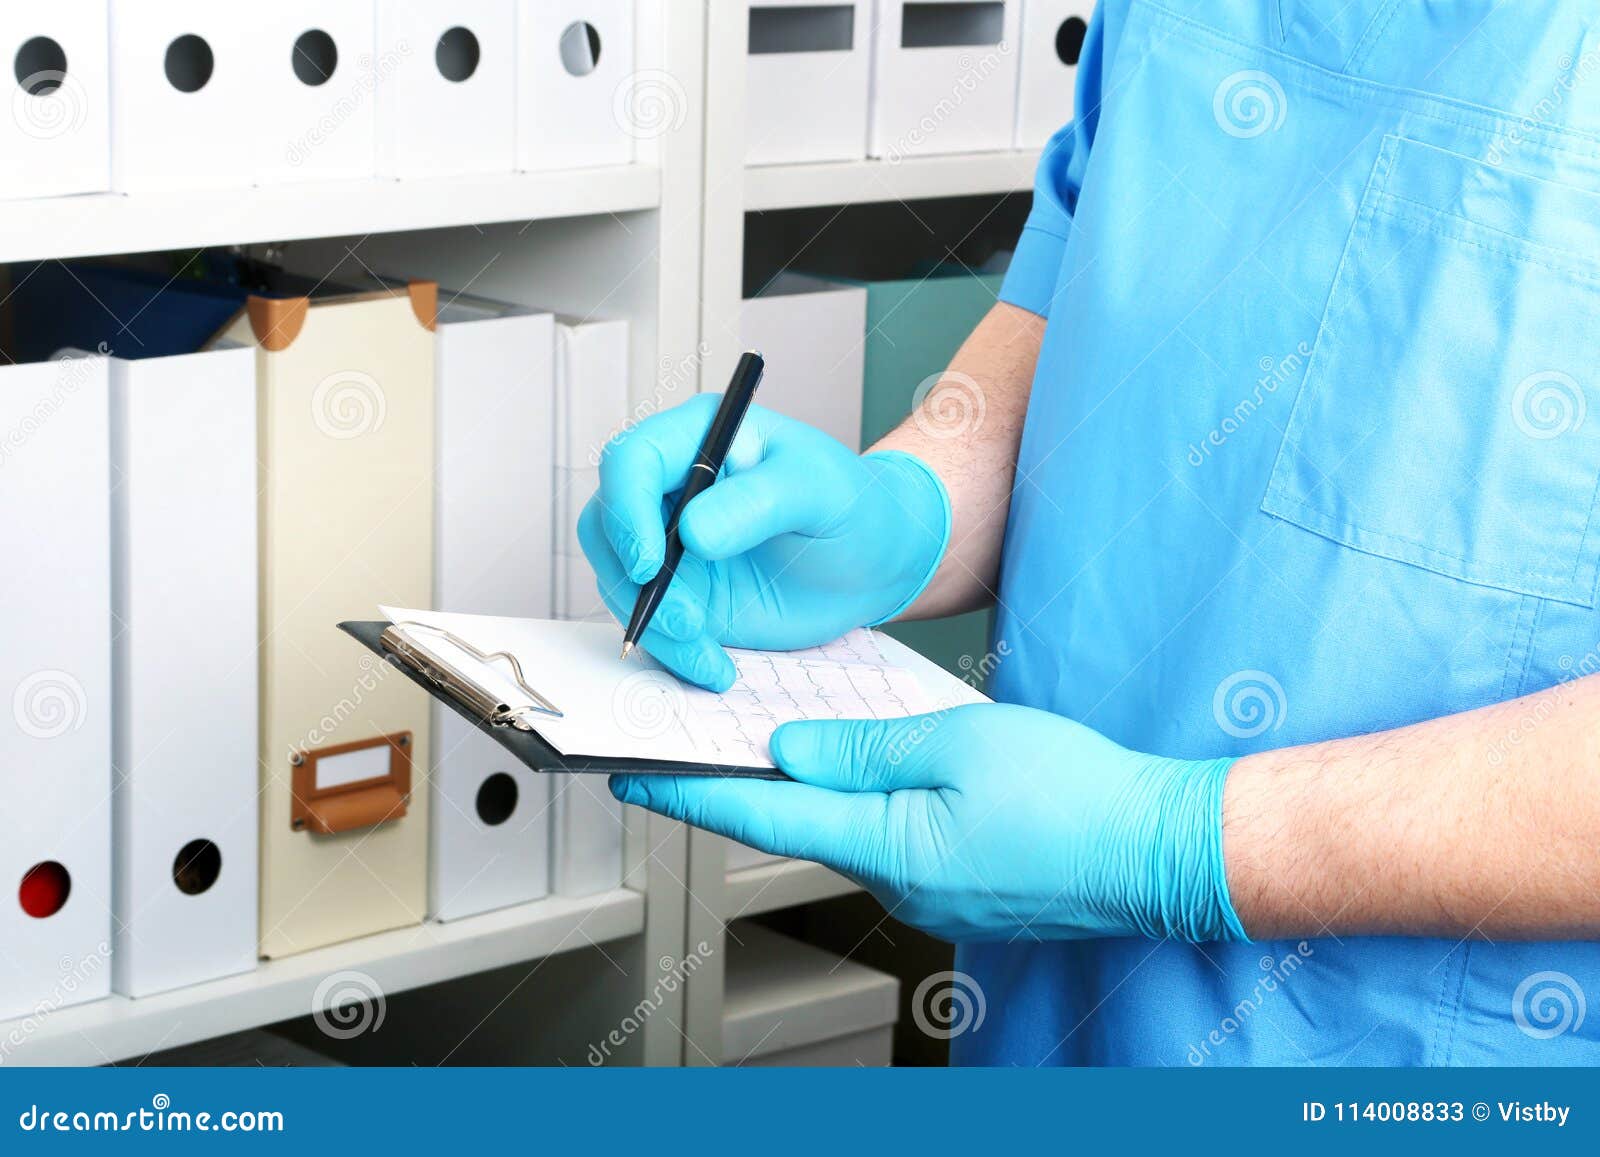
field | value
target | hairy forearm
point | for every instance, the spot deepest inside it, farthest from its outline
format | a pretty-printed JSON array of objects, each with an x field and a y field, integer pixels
[
  {"x": 968, "y": 427},
  {"x": 1482, "y": 824}
]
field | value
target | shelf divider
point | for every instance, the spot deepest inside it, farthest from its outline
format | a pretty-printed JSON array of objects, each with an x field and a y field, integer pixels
[
  {"x": 782, "y": 884},
  {"x": 854, "y": 182}
]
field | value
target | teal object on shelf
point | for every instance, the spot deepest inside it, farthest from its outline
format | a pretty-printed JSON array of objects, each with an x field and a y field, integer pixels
[{"x": 914, "y": 328}]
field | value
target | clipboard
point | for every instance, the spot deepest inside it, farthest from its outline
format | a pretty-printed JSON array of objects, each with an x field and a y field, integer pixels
[{"x": 514, "y": 726}]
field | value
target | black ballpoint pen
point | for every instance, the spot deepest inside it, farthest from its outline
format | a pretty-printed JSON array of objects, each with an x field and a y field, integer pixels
[{"x": 707, "y": 465}]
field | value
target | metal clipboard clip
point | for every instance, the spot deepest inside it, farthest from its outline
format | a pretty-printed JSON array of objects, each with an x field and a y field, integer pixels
[{"x": 459, "y": 685}]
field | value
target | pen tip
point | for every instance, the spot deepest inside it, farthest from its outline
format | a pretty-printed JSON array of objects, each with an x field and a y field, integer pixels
[{"x": 626, "y": 647}]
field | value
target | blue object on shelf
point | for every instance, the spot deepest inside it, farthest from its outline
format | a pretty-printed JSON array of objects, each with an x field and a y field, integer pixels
[{"x": 132, "y": 313}]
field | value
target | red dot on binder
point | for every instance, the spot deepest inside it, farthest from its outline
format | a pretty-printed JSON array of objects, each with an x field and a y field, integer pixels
[{"x": 45, "y": 888}]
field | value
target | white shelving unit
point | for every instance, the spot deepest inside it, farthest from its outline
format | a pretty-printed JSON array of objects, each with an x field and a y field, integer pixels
[
  {"x": 769, "y": 187},
  {"x": 733, "y": 189},
  {"x": 118, "y": 1028},
  {"x": 105, "y": 223},
  {"x": 660, "y": 242},
  {"x": 621, "y": 241}
]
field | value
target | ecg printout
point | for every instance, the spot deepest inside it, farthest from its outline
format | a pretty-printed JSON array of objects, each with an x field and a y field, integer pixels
[
  {"x": 777, "y": 687},
  {"x": 638, "y": 710},
  {"x": 859, "y": 646}
]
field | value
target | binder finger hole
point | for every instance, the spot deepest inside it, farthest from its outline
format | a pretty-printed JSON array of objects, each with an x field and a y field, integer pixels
[
  {"x": 1069, "y": 40},
  {"x": 580, "y": 48},
  {"x": 315, "y": 56},
  {"x": 45, "y": 888},
  {"x": 189, "y": 63},
  {"x": 457, "y": 54},
  {"x": 951, "y": 25},
  {"x": 40, "y": 66},
  {"x": 497, "y": 799},
  {"x": 197, "y": 866}
]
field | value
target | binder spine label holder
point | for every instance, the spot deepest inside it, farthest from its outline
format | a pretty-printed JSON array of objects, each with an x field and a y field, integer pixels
[{"x": 326, "y": 802}]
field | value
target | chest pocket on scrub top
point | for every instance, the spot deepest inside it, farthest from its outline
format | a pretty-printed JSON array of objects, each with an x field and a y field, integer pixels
[{"x": 1444, "y": 418}]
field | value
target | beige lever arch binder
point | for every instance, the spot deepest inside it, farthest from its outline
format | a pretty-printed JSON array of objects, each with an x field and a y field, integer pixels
[{"x": 346, "y": 428}]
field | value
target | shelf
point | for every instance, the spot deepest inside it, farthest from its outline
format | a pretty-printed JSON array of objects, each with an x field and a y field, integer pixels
[
  {"x": 105, "y": 223},
  {"x": 911, "y": 179},
  {"x": 118, "y": 1028},
  {"x": 768, "y": 887}
]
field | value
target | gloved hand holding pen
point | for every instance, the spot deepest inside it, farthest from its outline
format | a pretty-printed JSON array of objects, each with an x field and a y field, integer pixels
[{"x": 800, "y": 540}]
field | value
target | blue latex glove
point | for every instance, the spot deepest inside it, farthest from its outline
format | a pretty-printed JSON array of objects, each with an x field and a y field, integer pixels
[
  {"x": 800, "y": 541},
  {"x": 986, "y": 822}
]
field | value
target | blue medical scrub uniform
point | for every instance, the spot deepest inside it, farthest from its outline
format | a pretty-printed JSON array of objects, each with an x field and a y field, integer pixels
[{"x": 1308, "y": 455}]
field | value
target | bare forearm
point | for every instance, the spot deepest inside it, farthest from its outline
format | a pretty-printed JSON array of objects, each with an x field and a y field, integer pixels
[
  {"x": 968, "y": 427},
  {"x": 1482, "y": 824}
]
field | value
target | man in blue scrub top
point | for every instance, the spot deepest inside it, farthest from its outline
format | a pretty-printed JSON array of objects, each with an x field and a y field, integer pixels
[{"x": 1283, "y": 481}]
